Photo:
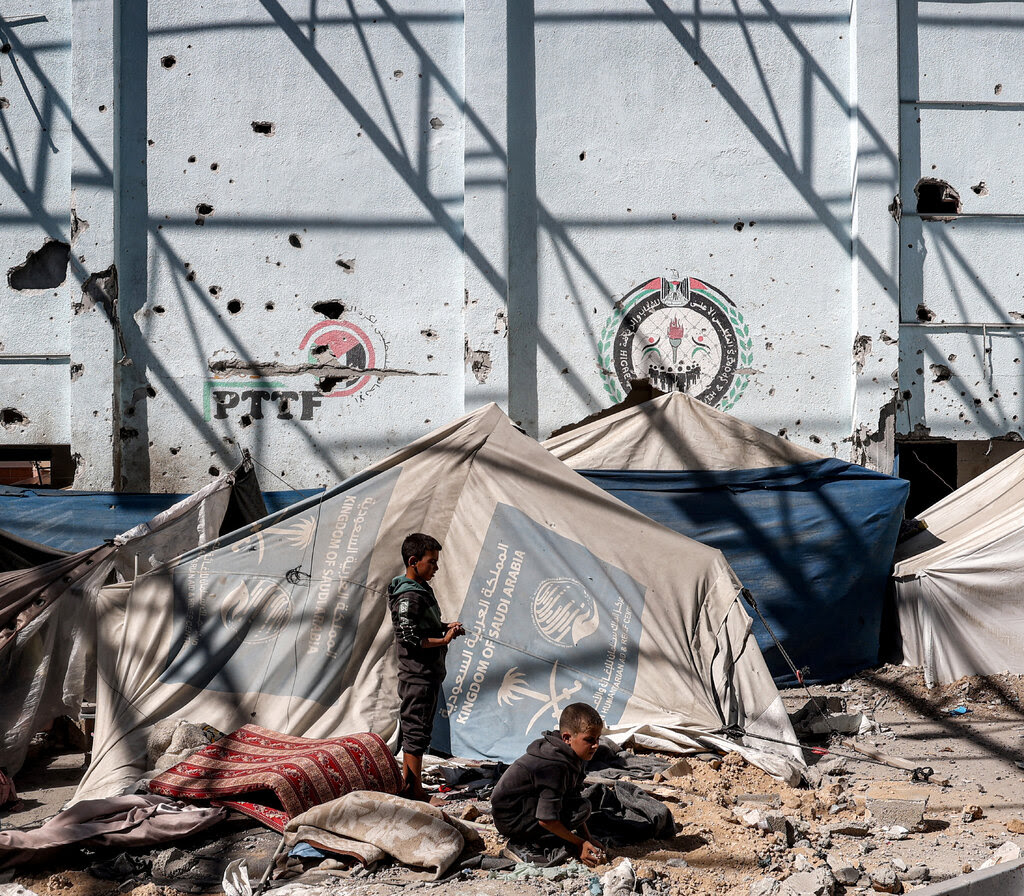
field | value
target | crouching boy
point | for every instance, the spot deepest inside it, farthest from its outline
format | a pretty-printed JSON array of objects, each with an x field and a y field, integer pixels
[{"x": 537, "y": 803}]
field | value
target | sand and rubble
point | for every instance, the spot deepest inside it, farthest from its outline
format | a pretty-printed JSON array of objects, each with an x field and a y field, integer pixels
[{"x": 859, "y": 827}]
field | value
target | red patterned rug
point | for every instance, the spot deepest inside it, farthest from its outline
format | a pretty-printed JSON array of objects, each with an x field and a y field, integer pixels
[{"x": 282, "y": 776}]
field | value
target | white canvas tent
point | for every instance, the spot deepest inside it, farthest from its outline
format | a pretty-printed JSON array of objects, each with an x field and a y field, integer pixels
[
  {"x": 958, "y": 584},
  {"x": 48, "y": 614},
  {"x": 566, "y": 593}
]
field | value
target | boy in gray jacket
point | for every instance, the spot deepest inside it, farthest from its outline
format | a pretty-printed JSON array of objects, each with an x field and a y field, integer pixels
[{"x": 421, "y": 642}]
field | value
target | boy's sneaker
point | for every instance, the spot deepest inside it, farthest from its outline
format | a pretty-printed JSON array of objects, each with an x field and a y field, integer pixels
[{"x": 533, "y": 854}]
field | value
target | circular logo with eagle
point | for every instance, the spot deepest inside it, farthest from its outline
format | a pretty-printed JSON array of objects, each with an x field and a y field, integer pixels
[
  {"x": 681, "y": 335},
  {"x": 354, "y": 347}
]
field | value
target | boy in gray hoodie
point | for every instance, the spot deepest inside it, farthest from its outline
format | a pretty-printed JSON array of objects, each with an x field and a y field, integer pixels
[
  {"x": 421, "y": 642},
  {"x": 537, "y": 803}
]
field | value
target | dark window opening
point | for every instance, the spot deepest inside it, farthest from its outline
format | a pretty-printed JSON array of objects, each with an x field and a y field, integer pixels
[{"x": 48, "y": 466}]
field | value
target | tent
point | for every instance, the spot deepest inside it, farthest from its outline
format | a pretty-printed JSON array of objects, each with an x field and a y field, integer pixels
[
  {"x": 566, "y": 593},
  {"x": 47, "y": 610},
  {"x": 71, "y": 521},
  {"x": 958, "y": 583},
  {"x": 811, "y": 537}
]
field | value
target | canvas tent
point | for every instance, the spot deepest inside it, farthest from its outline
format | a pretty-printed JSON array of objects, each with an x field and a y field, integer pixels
[
  {"x": 958, "y": 584},
  {"x": 566, "y": 594},
  {"x": 811, "y": 537},
  {"x": 47, "y": 611}
]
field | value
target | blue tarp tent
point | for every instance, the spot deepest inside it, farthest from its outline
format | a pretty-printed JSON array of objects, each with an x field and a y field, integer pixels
[
  {"x": 811, "y": 537},
  {"x": 77, "y": 520}
]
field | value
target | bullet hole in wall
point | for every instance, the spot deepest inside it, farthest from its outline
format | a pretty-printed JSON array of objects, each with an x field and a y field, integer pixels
[
  {"x": 214, "y": 166},
  {"x": 998, "y": 89},
  {"x": 399, "y": 73},
  {"x": 348, "y": 265},
  {"x": 266, "y": 128},
  {"x": 11, "y": 418},
  {"x": 214, "y": 290},
  {"x": 980, "y": 189},
  {"x": 175, "y": 450},
  {"x": 295, "y": 240},
  {"x": 245, "y": 420},
  {"x": 234, "y": 306},
  {"x": 583, "y": 155},
  {"x": 5, "y": 103},
  {"x": 43, "y": 268},
  {"x": 738, "y": 226},
  {"x": 158, "y": 309},
  {"x": 168, "y": 61},
  {"x": 436, "y": 123},
  {"x": 332, "y": 310},
  {"x": 204, "y": 208},
  {"x": 941, "y": 373},
  {"x": 213, "y": 471},
  {"x": 327, "y": 384},
  {"x": 76, "y": 371},
  {"x": 269, "y": 306},
  {"x": 936, "y": 198},
  {"x": 924, "y": 313},
  {"x": 191, "y": 160}
]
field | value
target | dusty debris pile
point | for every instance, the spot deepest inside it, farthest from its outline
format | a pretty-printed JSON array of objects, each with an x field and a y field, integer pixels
[{"x": 856, "y": 826}]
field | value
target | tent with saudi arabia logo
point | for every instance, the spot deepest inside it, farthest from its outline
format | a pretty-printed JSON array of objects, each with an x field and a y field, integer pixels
[{"x": 567, "y": 595}]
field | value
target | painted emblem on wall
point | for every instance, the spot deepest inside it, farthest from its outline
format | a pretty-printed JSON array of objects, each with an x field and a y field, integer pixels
[
  {"x": 683, "y": 335},
  {"x": 356, "y": 347}
]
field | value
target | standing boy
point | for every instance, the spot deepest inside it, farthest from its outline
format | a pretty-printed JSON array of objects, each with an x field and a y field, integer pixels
[
  {"x": 537, "y": 803},
  {"x": 421, "y": 640}
]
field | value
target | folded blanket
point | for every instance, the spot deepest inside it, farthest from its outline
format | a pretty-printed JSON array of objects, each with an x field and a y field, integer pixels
[
  {"x": 124, "y": 821},
  {"x": 283, "y": 775},
  {"x": 372, "y": 826}
]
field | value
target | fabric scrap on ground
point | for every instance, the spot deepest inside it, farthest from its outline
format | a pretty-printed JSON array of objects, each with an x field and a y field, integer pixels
[
  {"x": 370, "y": 826},
  {"x": 132, "y": 820},
  {"x": 622, "y": 813}
]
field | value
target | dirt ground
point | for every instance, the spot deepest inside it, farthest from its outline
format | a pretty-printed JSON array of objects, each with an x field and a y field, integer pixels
[{"x": 869, "y": 824}]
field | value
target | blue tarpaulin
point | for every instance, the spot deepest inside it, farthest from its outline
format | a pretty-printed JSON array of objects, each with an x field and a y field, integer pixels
[
  {"x": 78, "y": 520},
  {"x": 812, "y": 541}
]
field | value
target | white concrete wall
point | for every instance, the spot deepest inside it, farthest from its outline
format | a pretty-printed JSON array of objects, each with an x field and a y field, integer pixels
[{"x": 461, "y": 202}]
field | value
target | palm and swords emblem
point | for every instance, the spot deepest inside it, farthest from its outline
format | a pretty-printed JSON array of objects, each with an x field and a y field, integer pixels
[{"x": 514, "y": 687}]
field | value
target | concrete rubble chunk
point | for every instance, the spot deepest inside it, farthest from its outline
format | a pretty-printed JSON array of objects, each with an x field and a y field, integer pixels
[
  {"x": 815, "y": 882},
  {"x": 1015, "y": 825},
  {"x": 892, "y": 807},
  {"x": 766, "y": 886},
  {"x": 885, "y": 880},
  {"x": 916, "y": 873},
  {"x": 1008, "y": 852}
]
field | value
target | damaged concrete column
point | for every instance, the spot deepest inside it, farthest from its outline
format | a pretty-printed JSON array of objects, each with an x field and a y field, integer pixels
[
  {"x": 485, "y": 244},
  {"x": 875, "y": 243},
  {"x": 92, "y": 288}
]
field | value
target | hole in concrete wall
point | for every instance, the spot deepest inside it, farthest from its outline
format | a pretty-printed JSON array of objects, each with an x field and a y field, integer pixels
[
  {"x": 204, "y": 208},
  {"x": 267, "y": 128},
  {"x": 214, "y": 166},
  {"x": 327, "y": 384},
  {"x": 158, "y": 309},
  {"x": 924, "y": 313},
  {"x": 245, "y": 420},
  {"x": 331, "y": 310},
  {"x": 936, "y": 198},
  {"x": 941, "y": 372},
  {"x": 399, "y": 73},
  {"x": 5, "y": 103},
  {"x": 269, "y": 306},
  {"x": 192, "y": 160},
  {"x": 234, "y": 306},
  {"x": 294, "y": 240},
  {"x": 168, "y": 61},
  {"x": 127, "y": 434},
  {"x": 436, "y": 123},
  {"x": 214, "y": 290},
  {"x": 213, "y": 471},
  {"x": 11, "y": 418},
  {"x": 45, "y": 268},
  {"x": 150, "y": 391},
  {"x": 738, "y": 226},
  {"x": 317, "y": 350},
  {"x": 980, "y": 188},
  {"x": 998, "y": 89},
  {"x": 76, "y": 371},
  {"x": 175, "y": 450},
  {"x": 348, "y": 265},
  {"x": 583, "y": 155}
]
